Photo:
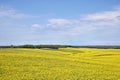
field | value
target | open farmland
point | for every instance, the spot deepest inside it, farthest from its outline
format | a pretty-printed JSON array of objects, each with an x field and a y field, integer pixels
[{"x": 59, "y": 64}]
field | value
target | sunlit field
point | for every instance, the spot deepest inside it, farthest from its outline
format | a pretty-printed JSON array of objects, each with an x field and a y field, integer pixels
[{"x": 59, "y": 64}]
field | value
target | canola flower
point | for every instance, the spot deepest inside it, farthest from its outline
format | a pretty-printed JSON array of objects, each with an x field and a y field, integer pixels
[{"x": 61, "y": 64}]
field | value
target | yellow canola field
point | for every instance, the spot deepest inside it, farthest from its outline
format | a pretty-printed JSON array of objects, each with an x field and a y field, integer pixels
[{"x": 61, "y": 64}]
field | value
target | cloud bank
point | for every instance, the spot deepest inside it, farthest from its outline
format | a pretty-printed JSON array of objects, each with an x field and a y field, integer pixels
[
  {"x": 100, "y": 27},
  {"x": 106, "y": 21}
]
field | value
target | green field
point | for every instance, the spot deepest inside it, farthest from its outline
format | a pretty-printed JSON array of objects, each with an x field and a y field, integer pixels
[{"x": 61, "y": 64}]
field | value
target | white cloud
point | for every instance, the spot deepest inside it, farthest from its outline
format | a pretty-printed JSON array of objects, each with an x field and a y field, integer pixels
[
  {"x": 37, "y": 26},
  {"x": 109, "y": 15},
  {"x": 6, "y": 12},
  {"x": 106, "y": 18},
  {"x": 87, "y": 23},
  {"x": 58, "y": 22}
]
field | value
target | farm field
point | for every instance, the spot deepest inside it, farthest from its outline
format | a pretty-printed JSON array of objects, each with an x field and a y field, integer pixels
[{"x": 59, "y": 64}]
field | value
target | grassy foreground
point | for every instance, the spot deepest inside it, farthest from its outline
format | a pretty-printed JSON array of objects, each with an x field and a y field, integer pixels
[{"x": 61, "y": 64}]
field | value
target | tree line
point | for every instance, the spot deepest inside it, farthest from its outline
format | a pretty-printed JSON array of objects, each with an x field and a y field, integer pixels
[
  {"x": 60, "y": 46},
  {"x": 36, "y": 46}
]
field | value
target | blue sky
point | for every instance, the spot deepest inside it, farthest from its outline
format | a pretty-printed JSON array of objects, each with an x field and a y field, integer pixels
[{"x": 70, "y": 22}]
